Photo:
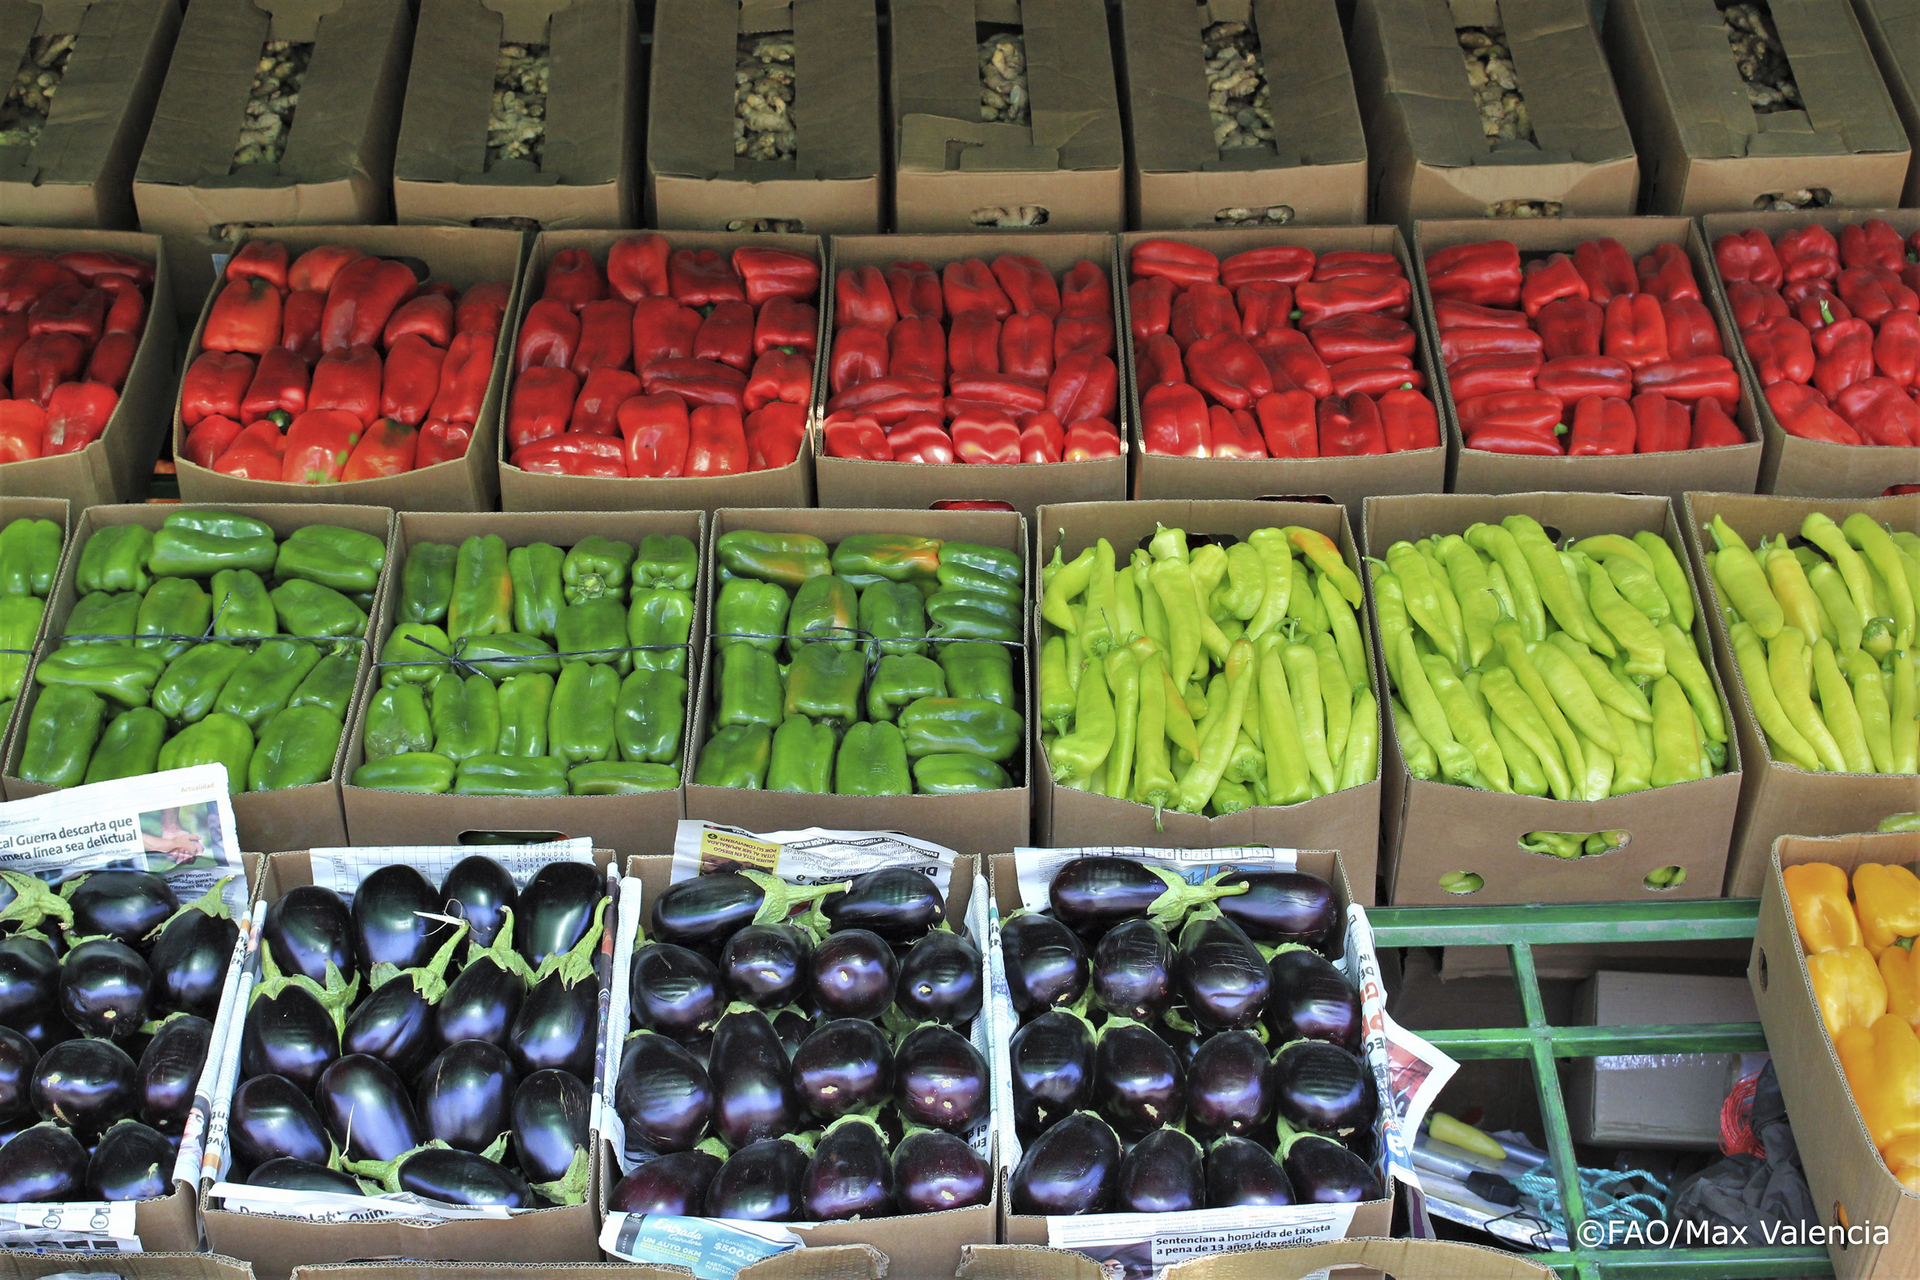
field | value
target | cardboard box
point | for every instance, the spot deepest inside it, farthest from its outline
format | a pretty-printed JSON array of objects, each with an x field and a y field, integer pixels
[
  {"x": 949, "y": 168},
  {"x": 1433, "y": 828},
  {"x": 1178, "y": 176},
  {"x": 978, "y": 823},
  {"x": 1348, "y": 481},
  {"x": 80, "y": 171},
  {"x": 584, "y": 178},
  {"x": 1777, "y": 799},
  {"x": 854, "y": 482},
  {"x": 1345, "y": 821},
  {"x": 835, "y": 184},
  {"x": 788, "y": 486},
  {"x": 1344, "y": 1259},
  {"x": 115, "y": 467},
  {"x": 1428, "y": 156},
  {"x": 1703, "y": 147},
  {"x": 1873, "y": 1222},
  {"x": 624, "y": 824},
  {"x": 1662, "y": 1099},
  {"x": 1734, "y": 468},
  {"x": 27, "y": 1264},
  {"x": 462, "y": 257},
  {"x": 1890, "y": 31},
  {"x": 265, "y": 819},
  {"x": 1791, "y": 465},
  {"x": 411, "y": 1270}
]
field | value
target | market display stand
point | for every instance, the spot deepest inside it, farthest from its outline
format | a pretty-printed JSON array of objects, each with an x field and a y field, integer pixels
[{"x": 1520, "y": 929}]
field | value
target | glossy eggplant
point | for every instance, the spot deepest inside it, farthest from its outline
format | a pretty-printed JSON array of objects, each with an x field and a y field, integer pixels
[
  {"x": 480, "y": 1004},
  {"x": 366, "y": 1109},
  {"x": 1091, "y": 895},
  {"x": 1184, "y": 1040},
  {"x": 29, "y": 979},
  {"x": 47, "y": 1030},
  {"x": 303, "y": 1175},
  {"x": 389, "y": 926},
  {"x": 556, "y": 1027},
  {"x": 1138, "y": 1083},
  {"x": 132, "y": 1162},
  {"x": 940, "y": 980},
  {"x": 18, "y": 1058},
  {"x": 794, "y": 1028},
  {"x": 676, "y": 991},
  {"x": 1324, "y": 1088},
  {"x": 849, "y": 1175},
  {"x": 1320, "y": 1170},
  {"x": 1311, "y": 1000},
  {"x": 940, "y": 1080},
  {"x": 307, "y": 928},
  {"x": 189, "y": 962},
  {"x": 764, "y": 1181},
  {"x": 1223, "y": 976},
  {"x": 705, "y": 911},
  {"x": 1164, "y": 1172},
  {"x": 123, "y": 905},
  {"x": 754, "y": 1097},
  {"x": 395, "y": 1024},
  {"x": 1283, "y": 906},
  {"x": 1046, "y": 962},
  {"x": 1133, "y": 968},
  {"x": 461, "y": 1177},
  {"x": 845, "y": 1066},
  {"x": 898, "y": 903},
  {"x": 1242, "y": 1172},
  {"x": 1227, "y": 1090},
  {"x": 1052, "y": 1062},
  {"x": 556, "y": 909},
  {"x": 289, "y": 1034},
  {"x": 700, "y": 1045},
  {"x": 766, "y": 965},
  {"x": 933, "y": 1170},
  {"x": 86, "y": 1085},
  {"x": 465, "y": 1096},
  {"x": 663, "y": 1095},
  {"x": 549, "y": 1117},
  {"x": 853, "y": 973},
  {"x": 272, "y": 1119},
  {"x": 479, "y": 891},
  {"x": 43, "y": 1163},
  {"x": 104, "y": 986},
  {"x": 674, "y": 1184},
  {"x": 169, "y": 1069},
  {"x": 1072, "y": 1168}
]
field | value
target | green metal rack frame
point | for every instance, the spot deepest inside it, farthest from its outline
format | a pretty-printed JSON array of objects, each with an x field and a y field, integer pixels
[{"x": 1522, "y": 928}]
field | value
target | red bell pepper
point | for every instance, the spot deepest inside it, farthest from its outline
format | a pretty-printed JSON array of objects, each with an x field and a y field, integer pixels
[
  {"x": 861, "y": 297},
  {"x": 1712, "y": 428},
  {"x": 1090, "y": 440},
  {"x": 1896, "y": 349},
  {"x": 1572, "y": 327},
  {"x": 1158, "y": 360},
  {"x": 1843, "y": 355},
  {"x": 1350, "y": 427},
  {"x": 970, "y": 285},
  {"x": 442, "y": 441},
  {"x": 300, "y": 323},
  {"x": 1810, "y": 253},
  {"x": 1878, "y": 409},
  {"x": 1323, "y": 300},
  {"x": 1602, "y": 427},
  {"x": 203, "y": 444},
  {"x": 656, "y": 430},
  {"x": 889, "y": 399},
  {"x": 1202, "y": 311},
  {"x": 1451, "y": 313},
  {"x": 548, "y": 336},
  {"x": 973, "y": 342},
  {"x": 1747, "y": 257},
  {"x": 716, "y": 441},
  {"x": 278, "y": 391},
  {"x": 596, "y": 410},
  {"x": 482, "y": 308},
  {"x": 1087, "y": 331},
  {"x": 1227, "y": 369},
  {"x": 1234, "y": 433},
  {"x": 1356, "y": 262},
  {"x": 606, "y": 336},
  {"x": 365, "y": 294},
  {"x": 698, "y": 382},
  {"x": 1026, "y": 345},
  {"x": 1263, "y": 305},
  {"x": 408, "y": 383},
  {"x": 854, "y": 436},
  {"x": 23, "y": 281},
  {"x": 776, "y": 273},
  {"x": 779, "y": 375},
  {"x": 464, "y": 377},
  {"x": 985, "y": 433},
  {"x": 1282, "y": 263},
  {"x": 1408, "y": 420},
  {"x": 919, "y": 437},
  {"x": 1872, "y": 243},
  {"x": 1754, "y": 305},
  {"x": 1554, "y": 277},
  {"x": 127, "y": 312},
  {"x": 1173, "y": 419},
  {"x": 1575, "y": 378},
  {"x": 1375, "y": 375},
  {"x": 348, "y": 380},
  {"x": 245, "y": 317},
  {"x": 257, "y": 453},
  {"x": 266, "y": 259},
  {"x": 1634, "y": 332},
  {"x": 428, "y": 314},
  {"x": 1702, "y": 377},
  {"x": 1606, "y": 268},
  {"x": 45, "y": 361},
  {"x": 1487, "y": 274},
  {"x": 1016, "y": 393},
  {"x": 917, "y": 347},
  {"x": 1082, "y": 386},
  {"x": 111, "y": 361},
  {"x": 318, "y": 445},
  {"x": 785, "y": 322},
  {"x": 1660, "y": 425},
  {"x": 23, "y": 429},
  {"x": 1818, "y": 309},
  {"x": 1151, "y": 303},
  {"x": 387, "y": 449},
  {"x": 1782, "y": 351},
  {"x": 1871, "y": 293},
  {"x": 1183, "y": 264},
  {"x": 859, "y": 355},
  {"x": 701, "y": 277},
  {"x": 70, "y": 308},
  {"x": 1690, "y": 329},
  {"x": 916, "y": 291},
  {"x": 1667, "y": 274},
  {"x": 637, "y": 267},
  {"x": 77, "y": 413},
  {"x": 213, "y": 384},
  {"x": 317, "y": 267},
  {"x": 1028, "y": 284},
  {"x": 775, "y": 433},
  {"x": 1534, "y": 411},
  {"x": 570, "y": 455},
  {"x": 93, "y": 265},
  {"x": 1502, "y": 438},
  {"x": 1292, "y": 362},
  {"x": 573, "y": 280},
  {"x": 1085, "y": 289},
  {"x": 726, "y": 335},
  {"x": 1458, "y": 344},
  {"x": 1478, "y": 376},
  {"x": 1802, "y": 411},
  {"x": 1288, "y": 424},
  {"x": 1041, "y": 437},
  {"x": 541, "y": 404},
  {"x": 1360, "y": 334},
  {"x": 663, "y": 329}
]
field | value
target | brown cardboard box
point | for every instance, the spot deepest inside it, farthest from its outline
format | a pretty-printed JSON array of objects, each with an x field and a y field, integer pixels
[
  {"x": 853, "y": 482},
  {"x": 1428, "y": 156},
  {"x": 24, "y": 1264},
  {"x": 1889, "y": 26},
  {"x": 1874, "y": 1222},
  {"x": 339, "y": 154},
  {"x": 1433, "y": 828},
  {"x": 1734, "y": 468},
  {"x": 1792, "y": 465},
  {"x": 464, "y": 257},
  {"x": 1345, "y": 821},
  {"x": 1353, "y": 1257},
  {"x": 949, "y": 168},
  {"x": 695, "y": 180},
  {"x": 115, "y": 467},
  {"x": 791, "y": 485},
  {"x": 1702, "y": 145},
  {"x": 1345, "y": 480},
  {"x": 585, "y": 176},
  {"x": 80, "y": 171},
  {"x": 411, "y": 1270},
  {"x": 624, "y": 824},
  {"x": 980, "y": 823},
  {"x": 1777, "y": 798},
  {"x": 266, "y": 819},
  {"x": 1178, "y": 176}
]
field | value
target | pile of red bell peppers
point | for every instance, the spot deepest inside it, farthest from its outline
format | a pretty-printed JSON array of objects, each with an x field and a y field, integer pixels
[
  {"x": 1275, "y": 353},
  {"x": 1832, "y": 328},
  {"x": 337, "y": 366},
  {"x": 975, "y": 362},
  {"x": 670, "y": 362},
  {"x": 1617, "y": 356},
  {"x": 69, "y": 326}
]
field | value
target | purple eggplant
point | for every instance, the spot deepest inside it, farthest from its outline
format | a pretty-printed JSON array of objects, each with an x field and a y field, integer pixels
[
  {"x": 1223, "y": 976},
  {"x": 126, "y": 906},
  {"x": 366, "y": 1109},
  {"x": 940, "y": 1080},
  {"x": 1324, "y": 1088},
  {"x": 934, "y": 1171},
  {"x": 557, "y": 909},
  {"x": 272, "y": 1119},
  {"x": 849, "y": 1175},
  {"x": 1181, "y": 1036},
  {"x": 754, "y": 1097},
  {"x": 389, "y": 926},
  {"x": 395, "y": 1024},
  {"x": 1133, "y": 971},
  {"x": 288, "y": 1033},
  {"x": 29, "y": 979},
  {"x": 479, "y": 891},
  {"x": 1072, "y": 1168},
  {"x": 86, "y": 1085},
  {"x": 104, "y": 986},
  {"x": 764, "y": 1181},
  {"x": 42, "y": 1164},
  {"x": 853, "y": 974},
  {"x": 465, "y": 1096},
  {"x": 169, "y": 1069},
  {"x": 483, "y": 1001},
  {"x": 1052, "y": 1060},
  {"x": 1091, "y": 895},
  {"x": 306, "y": 929},
  {"x": 794, "y": 1027},
  {"x": 1320, "y": 1170},
  {"x": 190, "y": 958},
  {"x": 1227, "y": 1090},
  {"x": 18, "y": 1058},
  {"x": 766, "y": 965},
  {"x": 303, "y": 1175},
  {"x": 940, "y": 980},
  {"x": 675, "y": 991},
  {"x": 461, "y": 1177},
  {"x": 1046, "y": 963},
  {"x": 550, "y": 1113},
  {"x": 1138, "y": 1084},
  {"x": 663, "y": 1095},
  {"x": 1283, "y": 906},
  {"x": 48, "y": 1030},
  {"x": 1311, "y": 1000},
  {"x": 1164, "y": 1172},
  {"x": 705, "y": 911},
  {"x": 898, "y": 903},
  {"x": 556, "y": 1026},
  {"x": 845, "y": 1066},
  {"x": 132, "y": 1162},
  {"x": 700, "y": 1045},
  {"x": 675, "y": 1185},
  {"x": 1242, "y": 1172}
]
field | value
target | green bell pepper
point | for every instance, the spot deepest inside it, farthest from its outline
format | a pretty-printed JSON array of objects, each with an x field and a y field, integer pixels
[
  {"x": 219, "y": 739},
  {"x": 172, "y": 609},
  {"x": 650, "y": 719},
  {"x": 482, "y": 589},
  {"x": 309, "y": 609},
  {"x": 666, "y": 560},
  {"x": 466, "y": 718},
  {"x": 872, "y": 762},
  {"x": 952, "y": 773},
  {"x": 330, "y": 684},
  {"x": 414, "y": 771},
  {"x": 242, "y": 609},
  {"x": 221, "y": 524},
  {"x": 980, "y": 670},
  {"x": 825, "y": 611},
  {"x": 786, "y": 558},
  {"x": 399, "y": 724},
  {"x": 509, "y": 653},
  {"x": 264, "y": 681},
  {"x": 891, "y": 557},
  {"x": 596, "y": 568},
  {"x": 345, "y": 559},
  {"x": 594, "y": 631},
  {"x": 192, "y": 682},
  {"x": 60, "y": 735},
  {"x": 802, "y": 757},
  {"x": 121, "y": 674},
  {"x": 511, "y": 776},
  {"x": 534, "y": 571},
  {"x": 824, "y": 684},
  {"x": 901, "y": 680},
  {"x": 968, "y": 566},
  {"x": 115, "y": 559},
  {"x": 426, "y": 583},
  {"x": 621, "y": 778},
  {"x": 736, "y": 756},
  {"x": 750, "y": 691},
  {"x": 414, "y": 653},
  {"x": 104, "y": 618},
  {"x": 580, "y": 721},
  {"x": 29, "y": 557},
  {"x": 660, "y": 624},
  {"x": 130, "y": 746},
  {"x": 894, "y": 617},
  {"x": 933, "y": 726},
  {"x": 198, "y": 544},
  {"x": 296, "y": 748},
  {"x": 20, "y": 618},
  {"x": 751, "y": 612},
  {"x": 972, "y": 615},
  {"x": 525, "y": 702}
]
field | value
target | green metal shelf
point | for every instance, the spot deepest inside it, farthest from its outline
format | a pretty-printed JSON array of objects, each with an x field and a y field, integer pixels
[{"x": 1520, "y": 929}]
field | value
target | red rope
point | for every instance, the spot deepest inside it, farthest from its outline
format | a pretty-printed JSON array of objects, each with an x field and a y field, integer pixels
[{"x": 1736, "y": 1134}]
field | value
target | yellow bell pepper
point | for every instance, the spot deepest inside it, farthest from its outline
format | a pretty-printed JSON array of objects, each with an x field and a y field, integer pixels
[
  {"x": 1903, "y": 1160},
  {"x": 1817, "y": 893},
  {"x": 1847, "y": 988},
  {"x": 1887, "y": 900},
  {"x": 1882, "y": 1065},
  {"x": 1900, "y": 970}
]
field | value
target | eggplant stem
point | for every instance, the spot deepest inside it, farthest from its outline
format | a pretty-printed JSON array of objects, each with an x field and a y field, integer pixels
[
  {"x": 571, "y": 1186},
  {"x": 212, "y": 904}
]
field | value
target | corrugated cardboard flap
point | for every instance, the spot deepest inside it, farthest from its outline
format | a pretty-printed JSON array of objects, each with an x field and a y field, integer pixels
[
  {"x": 1070, "y": 74},
  {"x": 1900, "y": 21},
  {"x": 1838, "y": 80},
  {"x": 337, "y": 103},
  {"x": 836, "y": 69},
  {"x": 449, "y": 93},
  {"x": 101, "y": 74},
  {"x": 1167, "y": 87},
  {"x": 1569, "y": 90},
  {"x": 1424, "y": 71},
  {"x": 196, "y": 123},
  {"x": 19, "y": 21},
  {"x": 525, "y": 21},
  {"x": 1309, "y": 88}
]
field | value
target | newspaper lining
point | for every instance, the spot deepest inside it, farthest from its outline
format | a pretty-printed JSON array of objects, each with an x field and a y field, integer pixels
[
  {"x": 711, "y": 1248},
  {"x": 812, "y": 856}
]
